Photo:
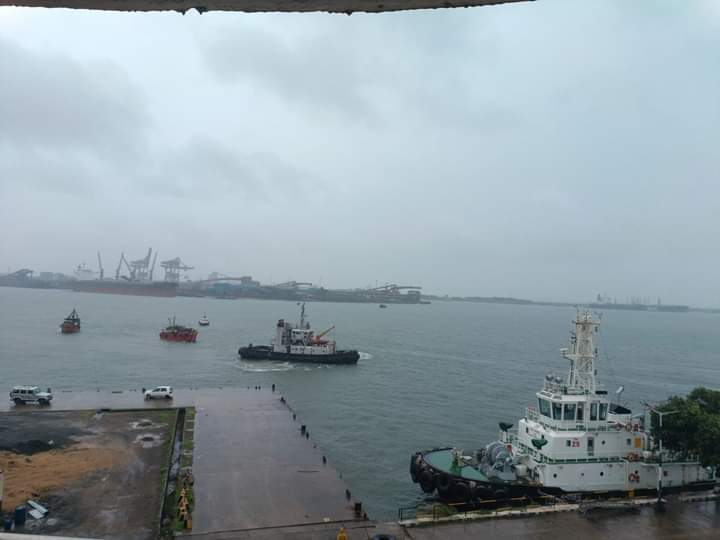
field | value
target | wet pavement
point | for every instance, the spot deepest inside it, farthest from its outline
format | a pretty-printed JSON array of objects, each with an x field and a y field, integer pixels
[
  {"x": 252, "y": 466},
  {"x": 680, "y": 521},
  {"x": 254, "y": 469}
]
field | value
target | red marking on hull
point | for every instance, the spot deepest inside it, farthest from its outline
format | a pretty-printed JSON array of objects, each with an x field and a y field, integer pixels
[
  {"x": 69, "y": 328},
  {"x": 186, "y": 336}
]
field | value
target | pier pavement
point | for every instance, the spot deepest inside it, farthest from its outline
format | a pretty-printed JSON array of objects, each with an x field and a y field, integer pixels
[{"x": 252, "y": 466}]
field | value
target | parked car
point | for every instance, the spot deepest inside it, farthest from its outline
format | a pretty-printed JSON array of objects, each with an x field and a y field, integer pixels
[
  {"x": 30, "y": 394},
  {"x": 159, "y": 392}
]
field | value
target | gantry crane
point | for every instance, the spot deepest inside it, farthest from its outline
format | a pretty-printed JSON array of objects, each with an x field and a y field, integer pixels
[{"x": 173, "y": 267}]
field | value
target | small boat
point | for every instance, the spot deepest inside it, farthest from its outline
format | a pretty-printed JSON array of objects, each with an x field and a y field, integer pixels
[
  {"x": 71, "y": 324},
  {"x": 204, "y": 321},
  {"x": 299, "y": 343},
  {"x": 383, "y": 306},
  {"x": 177, "y": 332}
]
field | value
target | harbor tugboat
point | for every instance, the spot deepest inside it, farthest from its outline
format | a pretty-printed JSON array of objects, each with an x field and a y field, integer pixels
[
  {"x": 575, "y": 441},
  {"x": 299, "y": 343},
  {"x": 71, "y": 324},
  {"x": 204, "y": 321},
  {"x": 177, "y": 332}
]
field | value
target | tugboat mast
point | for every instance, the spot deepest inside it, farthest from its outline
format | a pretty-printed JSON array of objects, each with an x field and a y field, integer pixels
[{"x": 582, "y": 375}]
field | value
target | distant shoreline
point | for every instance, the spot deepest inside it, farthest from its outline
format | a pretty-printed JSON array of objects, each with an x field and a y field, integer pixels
[{"x": 669, "y": 308}]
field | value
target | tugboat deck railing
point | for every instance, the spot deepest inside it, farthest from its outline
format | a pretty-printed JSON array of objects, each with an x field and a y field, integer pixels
[{"x": 561, "y": 425}]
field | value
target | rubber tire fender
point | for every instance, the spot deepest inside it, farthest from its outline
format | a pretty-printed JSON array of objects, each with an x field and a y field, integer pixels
[
  {"x": 414, "y": 467},
  {"x": 462, "y": 492},
  {"x": 427, "y": 481},
  {"x": 445, "y": 486},
  {"x": 482, "y": 493},
  {"x": 501, "y": 494},
  {"x": 443, "y": 482}
]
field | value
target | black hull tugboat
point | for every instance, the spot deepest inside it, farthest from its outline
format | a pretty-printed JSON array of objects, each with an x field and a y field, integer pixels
[
  {"x": 576, "y": 441},
  {"x": 298, "y": 343}
]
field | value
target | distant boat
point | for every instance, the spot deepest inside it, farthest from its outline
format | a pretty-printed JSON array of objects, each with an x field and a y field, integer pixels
[
  {"x": 177, "y": 332},
  {"x": 204, "y": 321},
  {"x": 71, "y": 324},
  {"x": 383, "y": 306}
]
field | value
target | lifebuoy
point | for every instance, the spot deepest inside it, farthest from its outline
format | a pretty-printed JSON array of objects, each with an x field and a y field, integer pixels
[
  {"x": 632, "y": 477},
  {"x": 618, "y": 427}
]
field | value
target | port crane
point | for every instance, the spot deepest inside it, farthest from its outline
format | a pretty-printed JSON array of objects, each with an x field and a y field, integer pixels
[
  {"x": 152, "y": 268},
  {"x": 140, "y": 267},
  {"x": 173, "y": 267},
  {"x": 100, "y": 266},
  {"x": 119, "y": 266}
]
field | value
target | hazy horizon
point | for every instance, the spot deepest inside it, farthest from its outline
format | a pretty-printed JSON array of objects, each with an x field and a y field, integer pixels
[{"x": 548, "y": 150}]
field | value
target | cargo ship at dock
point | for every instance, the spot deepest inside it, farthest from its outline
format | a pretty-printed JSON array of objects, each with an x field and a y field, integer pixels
[
  {"x": 138, "y": 281},
  {"x": 133, "y": 288}
]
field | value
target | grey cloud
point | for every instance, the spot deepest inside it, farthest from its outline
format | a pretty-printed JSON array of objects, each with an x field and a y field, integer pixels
[
  {"x": 542, "y": 149},
  {"x": 49, "y": 100}
]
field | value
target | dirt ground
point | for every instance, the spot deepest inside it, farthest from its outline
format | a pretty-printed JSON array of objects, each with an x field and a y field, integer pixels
[{"x": 99, "y": 474}]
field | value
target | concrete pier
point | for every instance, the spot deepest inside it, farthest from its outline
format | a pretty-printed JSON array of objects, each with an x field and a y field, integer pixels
[{"x": 254, "y": 469}]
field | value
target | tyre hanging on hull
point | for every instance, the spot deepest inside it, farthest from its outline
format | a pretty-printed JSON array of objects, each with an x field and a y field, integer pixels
[
  {"x": 501, "y": 494},
  {"x": 444, "y": 484},
  {"x": 482, "y": 493},
  {"x": 461, "y": 492},
  {"x": 427, "y": 481},
  {"x": 414, "y": 463}
]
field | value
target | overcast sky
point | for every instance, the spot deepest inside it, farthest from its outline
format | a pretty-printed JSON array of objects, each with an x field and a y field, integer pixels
[{"x": 547, "y": 150}]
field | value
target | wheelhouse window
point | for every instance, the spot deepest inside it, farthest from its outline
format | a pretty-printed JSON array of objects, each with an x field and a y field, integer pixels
[
  {"x": 569, "y": 411},
  {"x": 593, "y": 411},
  {"x": 603, "y": 411},
  {"x": 557, "y": 411},
  {"x": 580, "y": 411},
  {"x": 544, "y": 407}
]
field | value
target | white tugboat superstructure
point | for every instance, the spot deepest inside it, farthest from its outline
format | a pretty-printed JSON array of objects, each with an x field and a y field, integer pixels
[{"x": 575, "y": 440}]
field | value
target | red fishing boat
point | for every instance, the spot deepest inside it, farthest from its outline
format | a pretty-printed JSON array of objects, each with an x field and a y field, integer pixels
[
  {"x": 71, "y": 324},
  {"x": 177, "y": 332}
]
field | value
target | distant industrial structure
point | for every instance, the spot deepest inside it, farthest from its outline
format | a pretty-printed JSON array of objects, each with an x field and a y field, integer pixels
[
  {"x": 136, "y": 277},
  {"x": 221, "y": 286}
]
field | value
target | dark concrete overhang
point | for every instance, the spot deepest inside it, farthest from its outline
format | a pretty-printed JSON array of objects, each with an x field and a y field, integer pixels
[{"x": 332, "y": 6}]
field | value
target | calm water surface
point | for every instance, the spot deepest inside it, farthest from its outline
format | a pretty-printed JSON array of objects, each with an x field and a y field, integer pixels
[{"x": 442, "y": 374}]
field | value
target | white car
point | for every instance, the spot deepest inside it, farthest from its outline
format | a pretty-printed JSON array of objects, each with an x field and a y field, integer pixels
[
  {"x": 159, "y": 392},
  {"x": 30, "y": 394}
]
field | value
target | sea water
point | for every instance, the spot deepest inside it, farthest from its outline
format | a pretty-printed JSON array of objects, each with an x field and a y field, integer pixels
[{"x": 428, "y": 375}]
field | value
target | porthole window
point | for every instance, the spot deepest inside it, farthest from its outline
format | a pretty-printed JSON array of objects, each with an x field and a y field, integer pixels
[
  {"x": 602, "y": 442},
  {"x": 602, "y": 473},
  {"x": 554, "y": 475}
]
